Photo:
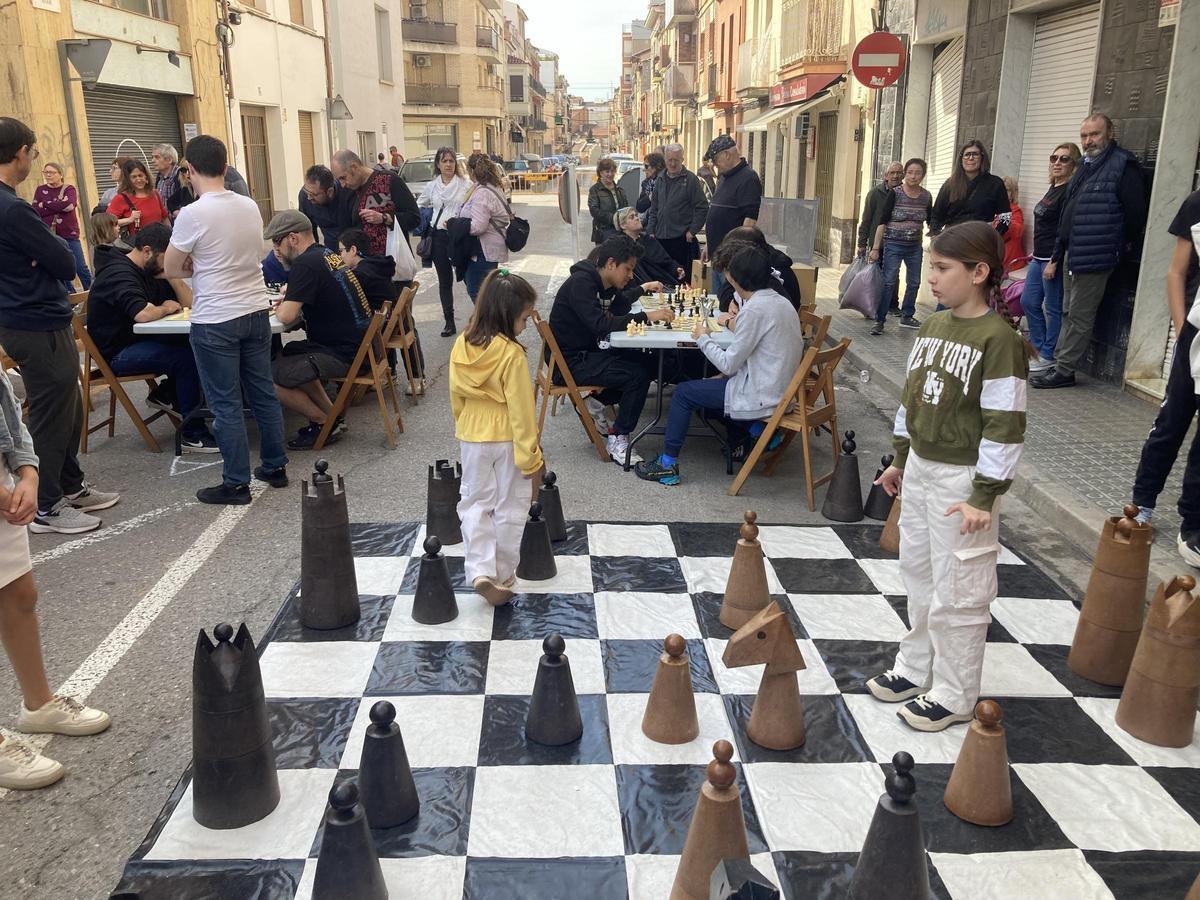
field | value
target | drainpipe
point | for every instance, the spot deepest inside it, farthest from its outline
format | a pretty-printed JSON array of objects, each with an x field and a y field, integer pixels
[
  {"x": 226, "y": 59},
  {"x": 328, "y": 75}
]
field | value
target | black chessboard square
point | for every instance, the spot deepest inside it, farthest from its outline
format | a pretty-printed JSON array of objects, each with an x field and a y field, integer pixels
[
  {"x": 996, "y": 632},
  {"x": 831, "y": 734},
  {"x": 429, "y": 667},
  {"x": 705, "y": 538},
  {"x": 823, "y": 576},
  {"x": 863, "y": 540},
  {"x": 808, "y": 874},
  {"x": 531, "y": 617},
  {"x": 652, "y": 574},
  {"x": 630, "y": 666},
  {"x": 1057, "y": 730},
  {"x": 370, "y": 626},
  {"x": 1145, "y": 873},
  {"x": 455, "y": 565},
  {"x": 1053, "y": 658},
  {"x": 594, "y": 878},
  {"x": 1027, "y": 581},
  {"x": 311, "y": 733},
  {"x": 851, "y": 663},
  {"x": 503, "y": 741},
  {"x": 383, "y": 538},
  {"x": 708, "y": 615},
  {"x": 657, "y": 803},
  {"x": 1183, "y": 786},
  {"x": 207, "y": 879},
  {"x": 576, "y": 541}
]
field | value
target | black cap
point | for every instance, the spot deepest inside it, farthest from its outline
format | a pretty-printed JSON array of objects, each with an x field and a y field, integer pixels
[{"x": 720, "y": 142}]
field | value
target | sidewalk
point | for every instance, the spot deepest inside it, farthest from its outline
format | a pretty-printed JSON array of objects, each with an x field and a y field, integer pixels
[{"x": 1082, "y": 444}]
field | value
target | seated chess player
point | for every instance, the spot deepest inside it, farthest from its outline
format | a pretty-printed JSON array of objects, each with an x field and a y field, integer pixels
[
  {"x": 655, "y": 264},
  {"x": 755, "y": 368},
  {"x": 322, "y": 290},
  {"x": 128, "y": 289},
  {"x": 780, "y": 262}
]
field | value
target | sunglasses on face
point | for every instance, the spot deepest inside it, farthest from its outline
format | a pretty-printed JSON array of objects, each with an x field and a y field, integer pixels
[{"x": 1065, "y": 158}]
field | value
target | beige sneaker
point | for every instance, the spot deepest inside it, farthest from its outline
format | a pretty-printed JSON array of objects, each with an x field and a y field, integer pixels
[
  {"x": 491, "y": 592},
  {"x": 22, "y": 769},
  {"x": 509, "y": 582},
  {"x": 63, "y": 715}
]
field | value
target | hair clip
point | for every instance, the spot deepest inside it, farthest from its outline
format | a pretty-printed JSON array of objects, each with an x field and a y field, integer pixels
[{"x": 504, "y": 272}]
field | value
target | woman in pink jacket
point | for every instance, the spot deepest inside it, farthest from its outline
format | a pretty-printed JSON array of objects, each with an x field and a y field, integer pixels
[
  {"x": 57, "y": 203},
  {"x": 489, "y": 215}
]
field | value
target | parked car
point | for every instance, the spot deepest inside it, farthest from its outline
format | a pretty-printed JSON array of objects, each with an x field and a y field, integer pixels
[{"x": 418, "y": 172}]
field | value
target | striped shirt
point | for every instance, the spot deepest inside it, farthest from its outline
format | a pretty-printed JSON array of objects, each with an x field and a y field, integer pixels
[
  {"x": 964, "y": 400},
  {"x": 905, "y": 216}
]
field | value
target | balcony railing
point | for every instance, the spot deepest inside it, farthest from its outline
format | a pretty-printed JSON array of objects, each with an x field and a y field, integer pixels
[
  {"x": 756, "y": 67},
  {"x": 536, "y": 86},
  {"x": 679, "y": 83},
  {"x": 429, "y": 32},
  {"x": 711, "y": 84},
  {"x": 679, "y": 10},
  {"x": 487, "y": 39},
  {"x": 537, "y": 125},
  {"x": 811, "y": 32},
  {"x": 432, "y": 94}
]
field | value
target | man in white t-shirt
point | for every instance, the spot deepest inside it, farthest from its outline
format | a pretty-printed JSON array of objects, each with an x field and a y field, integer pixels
[{"x": 218, "y": 242}]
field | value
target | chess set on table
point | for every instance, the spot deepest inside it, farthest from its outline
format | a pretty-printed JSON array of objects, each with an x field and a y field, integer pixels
[{"x": 683, "y": 323}]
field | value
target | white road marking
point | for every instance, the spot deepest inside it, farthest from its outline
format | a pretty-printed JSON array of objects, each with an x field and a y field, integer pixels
[
  {"x": 104, "y": 534},
  {"x": 562, "y": 268},
  {"x": 181, "y": 465}
]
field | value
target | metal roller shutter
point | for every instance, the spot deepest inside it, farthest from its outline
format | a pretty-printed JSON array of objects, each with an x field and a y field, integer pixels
[
  {"x": 308, "y": 152},
  {"x": 1060, "y": 95},
  {"x": 944, "y": 91},
  {"x": 126, "y": 122}
]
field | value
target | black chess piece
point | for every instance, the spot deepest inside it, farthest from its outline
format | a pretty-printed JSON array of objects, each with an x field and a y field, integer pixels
[
  {"x": 892, "y": 862},
  {"x": 843, "y": 497},
  {"x": 879, "y": 502},
  {"x": 389, "y": 794},
  {"x": 348, "y": 863},
  {"x": 537, "y": 556},
  {"x": 552, "y": 510},
  {"x": 434, "y": 602},
  {"x": 441, "y": 507},
  {"x": 553, "y": 717},
  {"x": 737, "y": 879},
  {"x": 328, "y": 587},
  {"x": 234, "y": 782}
]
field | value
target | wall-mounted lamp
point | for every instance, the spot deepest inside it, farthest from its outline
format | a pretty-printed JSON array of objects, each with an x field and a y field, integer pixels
[{"x": 172, "y": 56}]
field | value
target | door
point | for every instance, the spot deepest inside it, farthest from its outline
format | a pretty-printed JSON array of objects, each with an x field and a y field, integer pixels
[
  {"x": 258, "y": 159},
  {"x": 826, "y": 153},
  {"x": 126, "y": 122},
  {"x": 308, "y": 144},
  {"x": 945, "y": 90}
]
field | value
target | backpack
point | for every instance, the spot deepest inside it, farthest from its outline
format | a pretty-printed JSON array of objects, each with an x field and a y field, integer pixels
[{"x": 516, "y": 235}]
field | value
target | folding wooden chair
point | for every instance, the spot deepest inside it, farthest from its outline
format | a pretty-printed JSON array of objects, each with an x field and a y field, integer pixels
[
  {"x": 369, "y": 369},
  {"x": 815, "y": 407},
  {"x": 550, "y": 361},
  {"x": 404, "y": 340},
  {"x": 814, "y": 327}
]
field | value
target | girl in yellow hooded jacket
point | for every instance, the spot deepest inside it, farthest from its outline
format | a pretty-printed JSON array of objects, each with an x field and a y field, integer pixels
[{"x": 491, "y": 396}]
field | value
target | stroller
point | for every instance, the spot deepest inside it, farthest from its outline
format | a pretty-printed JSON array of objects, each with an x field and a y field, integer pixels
[{"x": 1012, "y": 286}]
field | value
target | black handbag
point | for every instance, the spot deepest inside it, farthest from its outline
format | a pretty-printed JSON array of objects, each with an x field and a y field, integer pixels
[
  {"x": 425, "y": 244},
  {"x": 516, "y": 235}
]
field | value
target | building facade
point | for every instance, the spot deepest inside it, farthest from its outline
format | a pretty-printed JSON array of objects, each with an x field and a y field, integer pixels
[{"x": 370, "y": 85}]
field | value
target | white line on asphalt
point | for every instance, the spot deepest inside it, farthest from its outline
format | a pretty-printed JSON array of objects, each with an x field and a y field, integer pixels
[
  {"x": 103, "y": 535},
  {"x": 189, "y": 465},
  {"x": 557, "y": 276}
]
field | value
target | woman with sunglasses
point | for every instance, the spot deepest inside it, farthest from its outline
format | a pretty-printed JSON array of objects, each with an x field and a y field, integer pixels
[
  {"x": 971, "y": 194},
  {"x": 1042, "y": 295}
]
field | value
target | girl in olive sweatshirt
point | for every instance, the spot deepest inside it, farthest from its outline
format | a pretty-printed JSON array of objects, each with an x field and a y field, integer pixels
[
  {"x": 491, "y": 396},
  {"x": 958, "y": 436}
]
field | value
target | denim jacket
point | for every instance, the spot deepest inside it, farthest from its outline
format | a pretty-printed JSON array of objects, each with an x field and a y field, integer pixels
[{"x": 15, "y": 442}]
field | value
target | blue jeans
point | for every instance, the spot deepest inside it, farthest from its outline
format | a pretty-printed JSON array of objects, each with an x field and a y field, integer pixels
[
  {"x": 235, "y": 357},
  {"x": 718, "y": 282},
  {"x": 700, "y": 393},
  {"x": 166, "y": 357},
  {"x": 81, "y": 267},
  {"x": 1042, "y": 302},
  {"x": 894, "y": 253},
  {"x": 477, "y": 271}
]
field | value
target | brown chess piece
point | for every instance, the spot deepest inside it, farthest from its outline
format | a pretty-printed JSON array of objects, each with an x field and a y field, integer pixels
[
  {"x": 717, "y": 832},
  {"x": 1194, "y": 893},
  {"x": 777, "y": 718},
  {"x": 980, "y": 789},
  {"x": 889, "y": 539},
  {"x": 670, "y": 716},
  {"x": 746, "y": 591},
  {"x": 1158, "y": 704},
  {"x": 1110, "y": 620}
]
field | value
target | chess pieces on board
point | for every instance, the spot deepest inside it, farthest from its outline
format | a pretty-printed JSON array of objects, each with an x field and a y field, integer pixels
[
  {"x": 670, "y": 716},
  {"x": 1110, "y": 619},
  {"x": 552, "y": 511},
  {"x": 777, "y": 717},
  {"x": 434, "y": 603},
  {"x": 389, "y": 794},
  {"x": 234, "y": 781},
  {"x": 537, "y": 556},
  {"x": 892, "y": 862},
  {"x": 441, "y": 503},
  {"x": 889, "y": 538},
  {"x": 328, "y": 587},
  {"x": 636, "y": 329},
  {"x": 879, "y": 502},
  {"x": 348, "y": 863},
  {"x": 553, "y": 717},
  {"x": 737, "y": 879},
  {"x": 980, "y": 787},
  {"x": 1158, "y": 704},
  {"x": 718, "y": 829},
  {"x": 843, "y": 497},
  {"x": 746, "y": 591}
]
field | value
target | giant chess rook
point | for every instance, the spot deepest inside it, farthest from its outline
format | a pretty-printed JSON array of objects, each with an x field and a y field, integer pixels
[{"x": 328, "y": 586}]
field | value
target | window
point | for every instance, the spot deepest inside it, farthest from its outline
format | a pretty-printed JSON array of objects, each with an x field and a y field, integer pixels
[
  {"x": 156, "y": 9},
  {"x": 297, "y": 12},
  {"x": 383, "y": 43},
  {"x": 308, "y": 145},
  {"x": 516, "y": 88},
  {"x": 422, "y": 139}
]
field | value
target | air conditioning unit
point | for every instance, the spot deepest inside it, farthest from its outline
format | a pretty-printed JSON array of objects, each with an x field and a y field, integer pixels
[
  {"x": 418, "y": 11},
  {"x": 422, "y": 60}
]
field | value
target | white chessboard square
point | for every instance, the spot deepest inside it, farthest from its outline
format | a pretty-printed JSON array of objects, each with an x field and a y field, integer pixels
[
  {"x": 886, "y": 734},
  {"x": 1048, "y": 874},
  {"x": 1111, "y": 808},
  {"x": 793, "y": 542},
  {"x": 439, "y": 730},
  {"x": 630, "y": 540},
  {"x": 474, "y": 622},
  {"x": 574, "y": 577},
  {"x": 630, "y": 746},
  {"x": 1010, "y": 671},
  {"x": 711, "y": 573},
  {"x": 418, "y": 545},
  {"x": 1103, "y": 711},
  {"x": 1007, "y": 558},
  {"x": 544, "y": 812},
  {"x": 639, "y": 615},
  {"x": 849, "y": 617},
  {"x": 286, "y": 833},
  {"x": 814, "y": 679},
  {"x": 317, "y": 669},
  {"x": 379, "y": 575},
  {"x": 885, "y": 575},
  {"x": 826, "y": 807},
  {"x": 1037, "y": 621},
  {"x": 513, "y": 666},
  {"x": 651, "y": 876},
  {"x": 407, "y": 877}
]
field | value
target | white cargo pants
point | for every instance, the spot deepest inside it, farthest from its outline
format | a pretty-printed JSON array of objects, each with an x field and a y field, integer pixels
[
  {"x": 950, "y": 579},
  {"x": 493, "y": 506}
]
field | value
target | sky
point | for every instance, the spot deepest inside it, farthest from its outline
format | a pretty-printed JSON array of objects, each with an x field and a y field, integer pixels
[{"x": 587, "y": 38}]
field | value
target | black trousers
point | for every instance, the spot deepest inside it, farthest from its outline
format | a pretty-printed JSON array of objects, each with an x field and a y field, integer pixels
[
  {"x": 1162, "y": 447},
  {"x": 682, "y": 251},
  {"x": 626, "y": 378},
  {"x": 445, "y": 273}
]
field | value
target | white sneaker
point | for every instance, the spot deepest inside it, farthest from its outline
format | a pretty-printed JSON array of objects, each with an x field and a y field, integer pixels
[
  {"x": 618, "y": 446},
  {"x": 91, "y": 500},
  {"x": 63, "y": 519},
  {"x": 1041, "y": 364},
  {"x": 596, "y": 410},
  {"x": 22, "y": 769},
  {"x": 63, "y": 715}
]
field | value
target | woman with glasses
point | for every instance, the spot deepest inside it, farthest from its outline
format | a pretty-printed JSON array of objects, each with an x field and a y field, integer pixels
[
  {"x": 972, "y": 193},
  {"x": 57, "y": 202},
  {"x": 1042, "y": 295}
]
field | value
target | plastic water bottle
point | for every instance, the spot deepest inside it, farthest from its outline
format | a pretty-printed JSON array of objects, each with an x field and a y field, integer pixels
[{"x": 864, "y": 376}]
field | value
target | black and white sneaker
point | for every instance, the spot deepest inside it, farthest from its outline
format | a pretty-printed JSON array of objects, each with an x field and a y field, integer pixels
[
  {"x": 925, "y": 714},
  {"x": 1189, "y": 547},
  {"x": 204, "y": 443},
  {"x": 162, "y": 396},
  {"x": 892, "y": 688},
  {"x": 910, "y": 322},
  {"x": 877, "y": 329}
]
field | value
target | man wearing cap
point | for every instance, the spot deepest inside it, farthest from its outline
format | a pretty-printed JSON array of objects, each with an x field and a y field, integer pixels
[
  {"x": 325, "y": 292},
  {"x": 736, "y": 200}
]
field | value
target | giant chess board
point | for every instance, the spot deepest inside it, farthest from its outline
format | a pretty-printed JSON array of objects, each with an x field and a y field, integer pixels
[{"x": 1099, "y": 814}]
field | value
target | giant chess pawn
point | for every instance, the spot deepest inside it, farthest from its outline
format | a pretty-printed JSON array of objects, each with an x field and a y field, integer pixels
[
  {"x": 1110, "y": 619},
  {"x": 879, "y": 502},
  {"x": 670, "y": 716},
  {"x": 718, "y": 829},
  {"x": 388, "y": 790},
  {"x": 889, "y": 538},
  {"x": 552, "y": 511},
  {"x": 746, "y": 591},
  {"x": 892, "y": 862},
  {"x": 348, "y": 863},
  {"x": 537, "y": 556},
  {"x": 843, "y": 497},
  {"x": 980, "y": 787},
  {"x": 328, "y": 586},
  {"x": 441, "y": 505},
  {"x": 553, "y": 717},
  {"x": 1158, "y": 704},
  {"x": 434, "y": 601},
  {"x": 234, "y": 782}
]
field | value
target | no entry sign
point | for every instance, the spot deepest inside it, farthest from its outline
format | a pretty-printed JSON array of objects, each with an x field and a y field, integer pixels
[{"x": 878, "y": 60}]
